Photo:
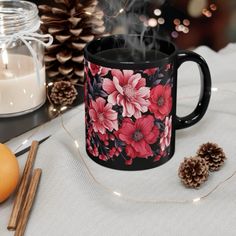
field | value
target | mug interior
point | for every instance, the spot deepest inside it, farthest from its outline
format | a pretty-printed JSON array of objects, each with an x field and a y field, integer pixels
[{"x": 94, "y": 48}]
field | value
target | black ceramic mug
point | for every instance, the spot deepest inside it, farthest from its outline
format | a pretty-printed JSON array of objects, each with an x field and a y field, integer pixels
[{"x": 130, "y": 101}]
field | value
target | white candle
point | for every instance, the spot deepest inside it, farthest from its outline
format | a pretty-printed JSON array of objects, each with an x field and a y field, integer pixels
[{"x": 20, "y": 90}]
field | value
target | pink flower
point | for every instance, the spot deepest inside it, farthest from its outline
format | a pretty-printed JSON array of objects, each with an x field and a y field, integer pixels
[
  {"x": 161, "y": 101},
  {"x": 150, "y": 71},
  {"x": 103, "y": 71},
  {"x": 128, "y": 90},
  {"x": 138, "y": 135},
  {"x": 96, "y": 69},
  {"x": 167, "y": 67},
  {"x": 166, "y": 136},
  {"x": 103, "y": 116}
]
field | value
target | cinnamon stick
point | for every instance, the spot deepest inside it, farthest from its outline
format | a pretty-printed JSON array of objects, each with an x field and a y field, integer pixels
[
  {"x": 29, "y": 200},
  {"x": 23, "y": 186}
]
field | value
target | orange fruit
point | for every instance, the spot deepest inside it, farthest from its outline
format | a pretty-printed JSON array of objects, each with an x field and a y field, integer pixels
[{"x": 9, "y": 172}]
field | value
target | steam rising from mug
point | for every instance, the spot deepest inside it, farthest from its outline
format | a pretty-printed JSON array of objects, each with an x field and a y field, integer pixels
[{"x": 128, "y": 22}]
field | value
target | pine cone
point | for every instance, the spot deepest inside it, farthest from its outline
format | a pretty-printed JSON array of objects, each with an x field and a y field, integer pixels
[
  {"x": 193, "y": 171},
  {"x": 63, "y": 93},
  {"x": 72, "y": 23},
  {"x": 213, "y": 154}
]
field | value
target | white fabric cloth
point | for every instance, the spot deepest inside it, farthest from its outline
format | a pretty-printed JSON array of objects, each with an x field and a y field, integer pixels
[{"x": 70, "y": 203}]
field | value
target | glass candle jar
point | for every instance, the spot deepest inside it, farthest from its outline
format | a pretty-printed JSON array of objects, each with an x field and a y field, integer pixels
[{"x": 22, "y": 70}]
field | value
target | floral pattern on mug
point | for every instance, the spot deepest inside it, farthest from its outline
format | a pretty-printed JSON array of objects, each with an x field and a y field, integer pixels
[
  {"x": 166, "y": 135},
  {"x": 161, "y": 101},
  {"x": 138, "y": 136},
  {"x": 128, "y": 113},
  {"x": 128, "y": 90},
  {"x": 102, "y": 115}
]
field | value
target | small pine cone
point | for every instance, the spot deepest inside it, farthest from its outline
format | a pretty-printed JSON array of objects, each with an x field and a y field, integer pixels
[
  {"x": 193, "y": 171},
  {"x": 213, "y": 154},
  {"x": 63, "y": 93}
]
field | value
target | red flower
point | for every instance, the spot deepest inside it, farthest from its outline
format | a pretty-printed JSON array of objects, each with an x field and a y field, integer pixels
[
  {"x": 159, "y": 156},
  {"x": 114, "y": 152},
  {"x": 93, "y": 151},
  {"x": 161, "y": 101},
  {"x": 102, "y": 157},
  {"x": 104, "y": 137},
  {"x": 103, "y": 116},
  {"x": 138, "y": 135},
  {"x": 150, "y": 71}
]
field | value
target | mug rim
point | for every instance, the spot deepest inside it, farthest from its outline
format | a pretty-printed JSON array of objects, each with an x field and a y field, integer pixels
[{"x": 127, "y": 65}]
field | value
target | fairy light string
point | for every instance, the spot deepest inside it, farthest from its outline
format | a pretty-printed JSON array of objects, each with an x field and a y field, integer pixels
[
  {"x": 28, "y": 138},
  {"x": 58, "y": 112},
  {"x": 113, "y": 191},
  {"x": 138, "y": 200},
  {"x": 117, "y": 193}
]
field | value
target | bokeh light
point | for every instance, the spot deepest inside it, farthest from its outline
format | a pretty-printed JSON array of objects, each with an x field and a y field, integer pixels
[
  {"x": 152, "y": 22},
  {"x": 213, "y": 7},
  {"x": 161, "y": 21},
  {"x": 186, "y": 22},
  {"x": 206, "y": 12},
  {"x": 174, "y": 34},
  {"x": 176, "y": 21},
  {"x": 157, "y": 12},
  {"x": 186, "y": 30},
  {"x": 181, "y": 27},
  {"x": 194, "y": 7}
]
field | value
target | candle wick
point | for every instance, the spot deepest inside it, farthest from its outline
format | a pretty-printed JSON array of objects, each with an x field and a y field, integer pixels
[{"x": 6, "y": 66}]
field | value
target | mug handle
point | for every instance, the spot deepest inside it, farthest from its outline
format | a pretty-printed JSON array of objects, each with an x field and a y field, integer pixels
[{"x": 205, "y": 94}]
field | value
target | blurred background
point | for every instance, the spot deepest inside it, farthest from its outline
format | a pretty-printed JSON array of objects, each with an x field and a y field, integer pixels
[{"x": 189, "y": 23}]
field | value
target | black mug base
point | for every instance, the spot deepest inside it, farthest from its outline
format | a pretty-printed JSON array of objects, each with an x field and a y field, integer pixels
[{"x": 138, "y": 163}]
